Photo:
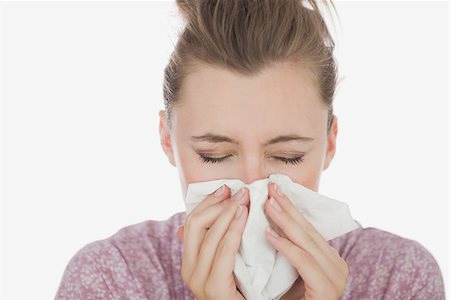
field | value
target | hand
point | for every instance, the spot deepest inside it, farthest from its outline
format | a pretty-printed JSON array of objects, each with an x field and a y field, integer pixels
[
  {"x": 323, "y": 273},
  {"x": 211, "y": 238}
]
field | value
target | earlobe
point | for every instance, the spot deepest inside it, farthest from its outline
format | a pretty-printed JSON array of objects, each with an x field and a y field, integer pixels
[
  {"x": 331, "y": 143},
  {"x": 165, "y": 139}
]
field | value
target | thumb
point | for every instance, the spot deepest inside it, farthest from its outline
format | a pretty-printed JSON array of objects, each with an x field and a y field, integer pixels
[{"x": 180, "y": 232}]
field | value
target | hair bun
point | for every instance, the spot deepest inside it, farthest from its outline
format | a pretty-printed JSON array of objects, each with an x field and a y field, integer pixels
[{"x": 187, "y": 9}]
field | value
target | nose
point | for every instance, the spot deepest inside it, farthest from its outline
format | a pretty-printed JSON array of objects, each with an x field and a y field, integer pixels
[{"x": 252, "y": 168}]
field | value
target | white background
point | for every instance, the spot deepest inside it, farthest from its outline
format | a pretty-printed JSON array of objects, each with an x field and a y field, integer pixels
[{"x": 82, "y": 87}]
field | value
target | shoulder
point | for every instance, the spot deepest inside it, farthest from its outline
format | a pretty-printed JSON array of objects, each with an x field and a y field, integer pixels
[
  {"x": 158, "y": 234},
  {"x": 385, "y": 264},
  {"x": 124, "y": 264}
]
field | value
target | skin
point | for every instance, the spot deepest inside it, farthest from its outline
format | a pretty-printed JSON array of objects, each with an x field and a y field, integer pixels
[{"x": 282, "y": 100}]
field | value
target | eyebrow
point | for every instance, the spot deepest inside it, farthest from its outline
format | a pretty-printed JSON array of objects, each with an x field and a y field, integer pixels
[{"x": 215, "y": 138}]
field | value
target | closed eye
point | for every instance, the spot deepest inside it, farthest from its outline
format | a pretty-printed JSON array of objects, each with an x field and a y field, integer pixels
[{"x": 287, "y": 160}]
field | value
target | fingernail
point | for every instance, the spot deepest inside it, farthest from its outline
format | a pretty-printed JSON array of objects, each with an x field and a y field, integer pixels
[
  {"x": 272, "y": 232},
  {"x": 219, "y": 191},
  {"x": 238, "y": 211},
  {"x": 275, "y": 204},
  {"x": 238, "y": 196},
  {"x": 277, "y": 189}
]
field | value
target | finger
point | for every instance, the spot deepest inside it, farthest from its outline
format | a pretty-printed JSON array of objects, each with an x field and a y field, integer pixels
[
  {"x": 215, "y": 234},
  {"x": 304, "y": 263},
  {"x": 180, "y": 229},
  {"x": 305, "y": 224},
  {"x": 225, "y": 255},
  {"x": 196, "y": 225},
  {"x": 297, "y": 215},
  {"x": 217, "y": 196},
  {"x": 210, "y": 243},
  {"x": 222, "y": 193},
  {"x": 302, "y": 233},
  {"x": 332, "y": 254},
  {"x": 331, "y": 265}
]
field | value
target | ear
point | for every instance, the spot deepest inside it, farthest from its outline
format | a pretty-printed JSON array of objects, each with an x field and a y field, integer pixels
[
  {"x": 164, "y": 133},
  {"x": 331, "y": 144}
]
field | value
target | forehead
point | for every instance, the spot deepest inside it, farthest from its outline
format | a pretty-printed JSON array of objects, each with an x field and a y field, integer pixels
[{"x": 282, "y": 96}]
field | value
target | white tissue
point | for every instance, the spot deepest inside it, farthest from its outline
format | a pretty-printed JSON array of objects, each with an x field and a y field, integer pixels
[{"x": 262, "y": 272}]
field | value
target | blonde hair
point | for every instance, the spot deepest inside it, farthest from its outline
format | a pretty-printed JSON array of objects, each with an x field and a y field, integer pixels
[{"x": 246, "y": 36}]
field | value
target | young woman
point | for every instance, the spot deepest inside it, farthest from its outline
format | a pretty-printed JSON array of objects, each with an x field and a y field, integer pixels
[{"x": 249, "y": 92}]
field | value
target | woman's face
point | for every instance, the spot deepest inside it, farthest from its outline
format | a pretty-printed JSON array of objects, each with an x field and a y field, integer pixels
[{"x": 255, "y": 126}]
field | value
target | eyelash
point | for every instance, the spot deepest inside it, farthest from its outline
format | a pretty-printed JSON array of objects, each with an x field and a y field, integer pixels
[{"x": 293, "y": 161}]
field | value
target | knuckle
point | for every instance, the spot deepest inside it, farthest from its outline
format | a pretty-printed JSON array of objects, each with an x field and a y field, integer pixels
[
  {"x": 345, "y": 268},
  {"x": 210, "y": 289},
  {"x": 228, "y": 202},
  {"x": 300, "y": 256},
  {"x": 208, "y": 240},
  {"x": 224, "y": 246},
  {"x": 223, "y": 205},
  {"x": 310, "y": 240},
  {"x": 192, "y": 220},
  {"x": 233, "y": 206},
  {"x": 336, "y": 254},
  {"x": 334, "y": 250},
  {"x": 308, "y": 227},
  {"x": 227, "y": 244},
  {"x": 229, "y": 206}
]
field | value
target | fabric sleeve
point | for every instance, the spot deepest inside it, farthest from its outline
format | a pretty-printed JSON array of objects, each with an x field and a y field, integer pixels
[
  {"x": 428, "y": 280},
  {"x": 82, "y": 278},
  {"x": 414, "y": 274},
  {"x": 105, "y": 269}
]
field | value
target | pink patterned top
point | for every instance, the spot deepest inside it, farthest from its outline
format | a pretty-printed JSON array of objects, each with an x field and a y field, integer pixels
[{"x": 143, "y": 261}]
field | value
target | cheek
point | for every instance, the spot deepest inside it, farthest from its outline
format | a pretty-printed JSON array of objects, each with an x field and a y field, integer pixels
[
  {"x": 307, "y": 174},
  {"x": 307, "y": 179},
  {"x": 191, "y": 169},
  {"x": 311, "y": 181}
]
